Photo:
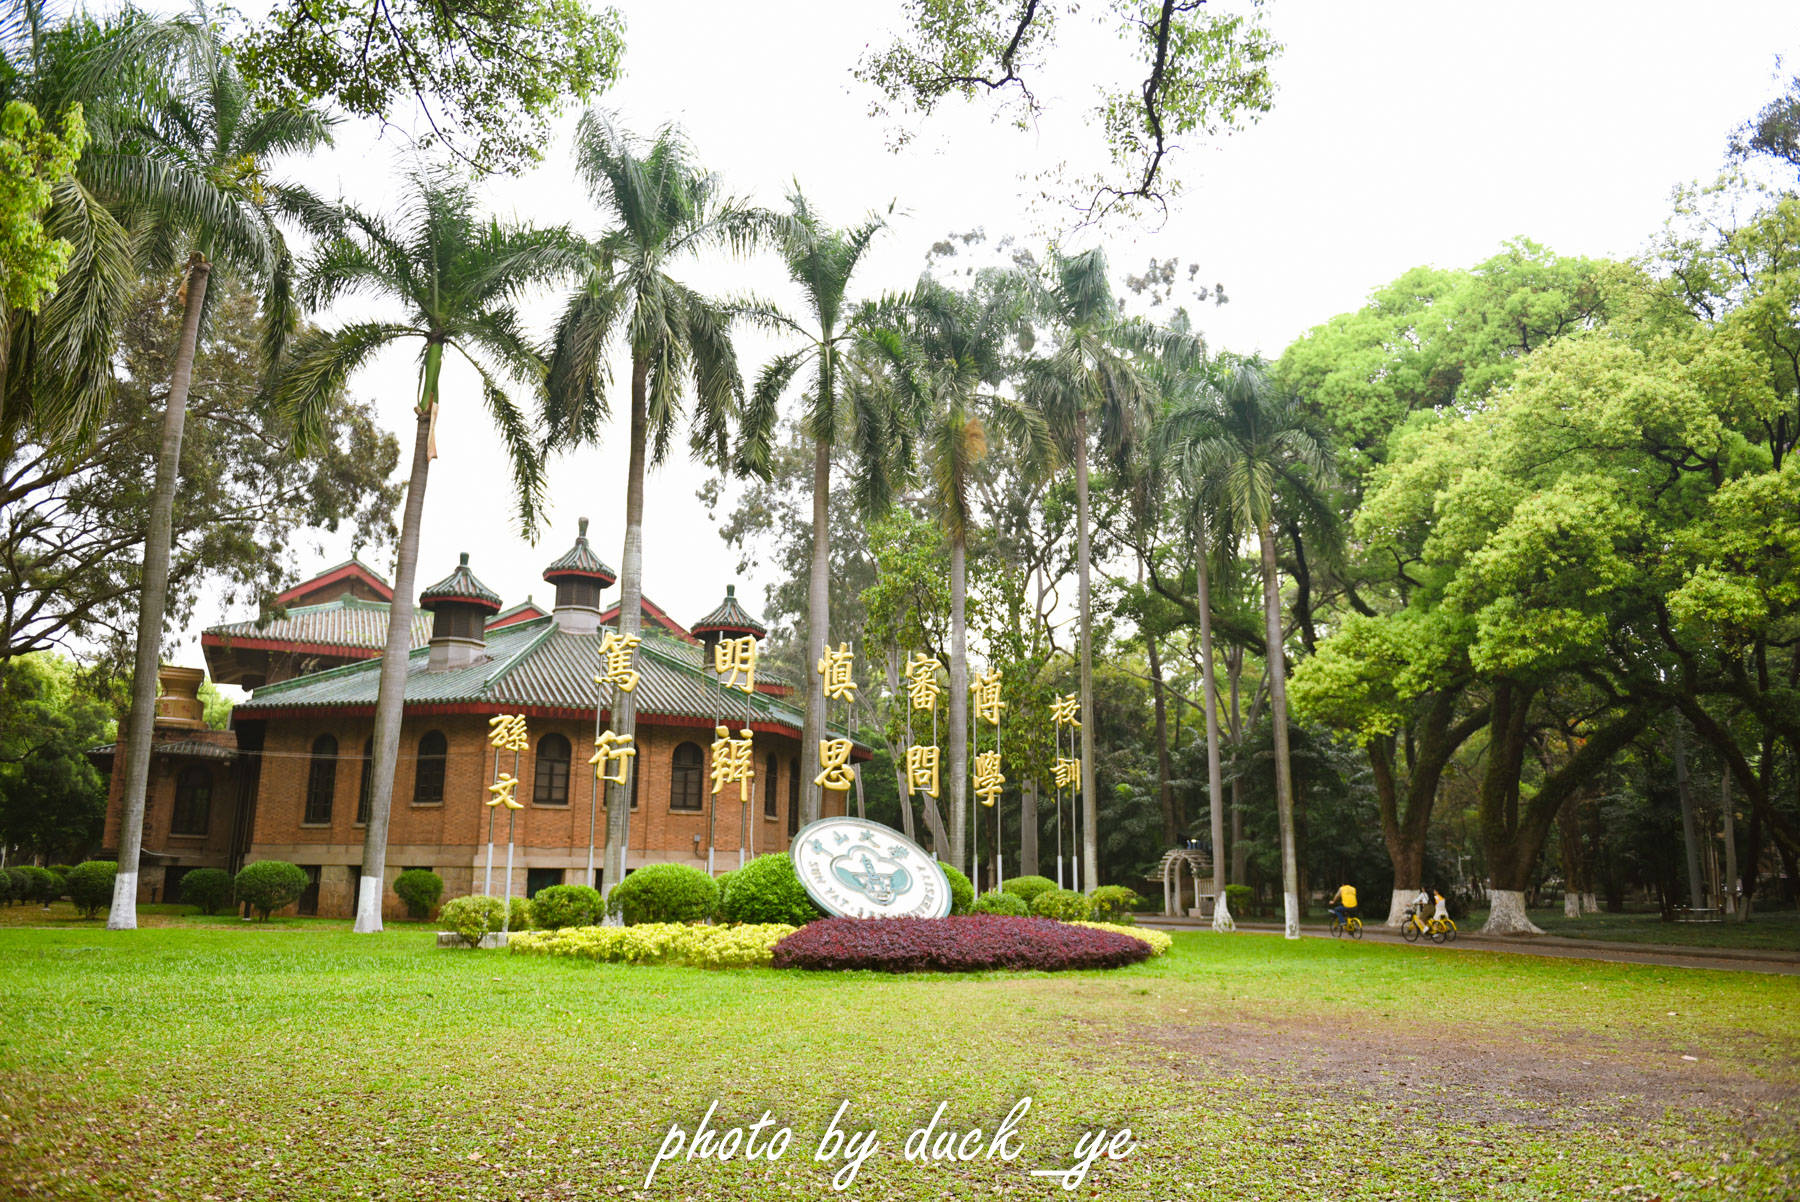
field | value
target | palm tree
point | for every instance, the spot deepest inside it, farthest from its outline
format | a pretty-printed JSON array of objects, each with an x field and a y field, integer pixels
[
  {"x": 455, "y": 278},
  {"x": 195, "y": 179},
  {"x": 1090, "y": 386},
  {"x": 947, "y": 354},
  {"x": 664, "y": 213},
  {"x": 1252, "y": 447},
  {"x": 821, "y": 261}
]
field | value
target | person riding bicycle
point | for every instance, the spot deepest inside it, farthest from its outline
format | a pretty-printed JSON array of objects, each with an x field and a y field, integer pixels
[
  {"x": 1343, "y": 902},
  {"x": 1442, "y": 913}
]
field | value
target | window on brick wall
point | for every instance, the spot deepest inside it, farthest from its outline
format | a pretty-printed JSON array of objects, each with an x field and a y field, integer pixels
[
  {"x": 321, "y": 781},
  {"x": 550, "y": 786},
  {"x": 368, "y": 778},
  {"x": 793, "y": 797},
  {"x": 193, "y": 802},
  {"x": 686, "y": 773},
  {"x": 771, "y": 771},
  {"x": 428, "y": 778}
]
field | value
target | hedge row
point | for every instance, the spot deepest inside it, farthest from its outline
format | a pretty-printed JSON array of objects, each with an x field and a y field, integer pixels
[
  {"x": 746, "y": 946},
  {"x": 968, "y": 943}
]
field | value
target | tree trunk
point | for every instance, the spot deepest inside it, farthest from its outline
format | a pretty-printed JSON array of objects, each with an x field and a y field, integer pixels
[
  {"x": 1173, "y": 835},
  {"x": 1730, "y": 832},
  {"x": 818, "y": 617},
  {"x": 1209, "y": 685},
  {"x": 1028, "y": 828},
  {"x": 152, "y": 600},
  {"x": 631, "y": 621},
  {"x": 959, "y": 708},
  {"x": 1240, "y": 851},
  {"x": 390, "y": 696},
  {"x": 1689, "y": 835},
  {"x": 1090, "y": 821},
  {"x": 1284, "y": 780}
]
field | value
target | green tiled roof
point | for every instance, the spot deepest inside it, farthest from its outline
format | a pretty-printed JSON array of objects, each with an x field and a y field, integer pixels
[
  {"x": 346, "y": 622},
  {"x": 580, "y": 560},
  {"x": 536, "y": 663},
  {"x": 460, "y": 585},
  {"x": 729, "y": 617}
]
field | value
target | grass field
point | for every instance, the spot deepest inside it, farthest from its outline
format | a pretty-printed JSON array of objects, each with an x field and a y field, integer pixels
[{"x": 233, "y": 1060}]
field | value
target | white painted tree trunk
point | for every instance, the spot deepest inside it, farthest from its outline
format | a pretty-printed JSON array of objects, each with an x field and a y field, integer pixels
[
  {"x": 1571, "y": 904},
  {"x": 1589, "y": 905},
  {"x": 1506, "y": 914},
  {"x": 1291, "y": 903},
  {"x": 1397, "y": 903}
]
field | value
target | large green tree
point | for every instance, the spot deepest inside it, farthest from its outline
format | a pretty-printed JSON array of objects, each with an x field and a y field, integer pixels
[
  {"x": 451, "y": 279},
  {"x": 52, "y": 797},
  {"x": 664, "y": 215}
]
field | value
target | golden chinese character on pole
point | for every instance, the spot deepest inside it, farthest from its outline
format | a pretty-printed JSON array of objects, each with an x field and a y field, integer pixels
[
  {"x": 922, "y": 769},
  {"x": 834, "y": 759},
  {"x": 735, "y": 657},
  {"x": 612, "y": 750},
  {"x": 733, "y": 761},
  {"x": 922, "y": 682},
  {"x": 988, "y": 780},
  {"x": 617, "y": 650},
  {"x": 1067, "y": 771},
  {"x": 987, "y": 701},
  {"x": 1066, "y": 710},
  {"x": 502, "y": 791},
  {"x": 508, "y": 731},
  {"x": 834, "y": 666}
]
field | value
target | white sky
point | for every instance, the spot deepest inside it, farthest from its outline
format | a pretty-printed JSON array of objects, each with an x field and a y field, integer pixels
[{"x": 1402, "y": 133}]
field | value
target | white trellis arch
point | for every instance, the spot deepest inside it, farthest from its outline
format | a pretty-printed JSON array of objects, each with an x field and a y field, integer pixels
[{"x": 1199, "y": 866}]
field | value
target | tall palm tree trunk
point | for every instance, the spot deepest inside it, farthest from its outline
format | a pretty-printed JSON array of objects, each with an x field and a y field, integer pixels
[
  {"x": 818, "y": 616},
  {"x": 1209, "y": 683},
  {"x": 1165, "y": 777},
  {"x": 1028, "y": 828},
  {"x": 1090, "y": 824},
  {"x": 390, "y": 696},
  {"x": 1284, "y": 782},
  {"x": 631, "y": 618},
  {"x": 152, "y": 600},
  {"x": 959, "y": 704}
]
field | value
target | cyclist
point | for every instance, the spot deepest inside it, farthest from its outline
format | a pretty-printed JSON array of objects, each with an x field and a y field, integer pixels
[
  {"x": 1442, "y": 914},
  {"x": 1343, "y": 902}
]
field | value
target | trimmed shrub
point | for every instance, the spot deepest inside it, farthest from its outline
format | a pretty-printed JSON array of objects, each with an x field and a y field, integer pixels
[
  {"x": 41, "y": 885},
  {"x": 268, "y": 885},
  {"x": 971, "y": 943},
  {"x": 6, "y": 887},
  {"x": 666, "y": 893},
  {"x": 14, "y": 885},
  {"x": 1159, "y": 941},
  {"x": 207, "y": 889},
  {"x": 746, "y": 945},
  {"x": 521, "y": 914},
  {"x": 1026, "y": 888},
  {"x": 1237, "y": 899},
  {"x": 90, "y": 886},
  {"x": 767, "y": 890},
  {"x": 962, "y": 894},
  {"x": 472, "y": 917},
  {"x": 722, "y": 880},
  {"x": 1064, "y": 905},
  {"x": 996, "y": 901},
  {"x": 420, "y": 889},
  {"x": 1114, "y": 904},
  {"x": 562, "y": 906}
]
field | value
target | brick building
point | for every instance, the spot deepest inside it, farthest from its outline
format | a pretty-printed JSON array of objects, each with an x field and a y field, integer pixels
[{"x": 290, "y": 780}]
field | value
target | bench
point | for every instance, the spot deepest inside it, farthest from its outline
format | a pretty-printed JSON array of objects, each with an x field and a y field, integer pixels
[{"x": 1702, "y": 914}]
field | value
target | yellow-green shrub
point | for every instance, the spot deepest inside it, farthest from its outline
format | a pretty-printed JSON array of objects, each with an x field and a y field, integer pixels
[
  {"x": 1159, "y": 941},
  {"x": 748, "y": 945}
]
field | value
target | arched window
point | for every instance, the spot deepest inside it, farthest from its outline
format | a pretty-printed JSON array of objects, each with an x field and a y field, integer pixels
[
  {"x": 321, "y": 781},
  {"x": 368, "y": 777},
  {"x": 551, "y": 785},
  {"x": 428, "y": 779},
  {"x": 193, "y": 802},
  {"x": 771, "y": 769},
  {"x": 793, "y": 797},
  {"x": 685, "y": 776}
]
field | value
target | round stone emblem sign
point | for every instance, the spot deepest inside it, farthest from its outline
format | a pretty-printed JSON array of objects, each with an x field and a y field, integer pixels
[{"x": 859, "y": 869}]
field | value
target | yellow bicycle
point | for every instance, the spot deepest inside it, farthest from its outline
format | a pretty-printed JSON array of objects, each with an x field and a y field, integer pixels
[
  {"x": 1351, "y": 926},
  {"x": 1435, "y": 929}
]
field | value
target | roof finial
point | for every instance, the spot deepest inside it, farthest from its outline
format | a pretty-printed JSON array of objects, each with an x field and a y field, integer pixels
[
  {"x": 583, "y": 527},
  {"x": 731, "y": 590},
  {"x": 465, "y": 559}
]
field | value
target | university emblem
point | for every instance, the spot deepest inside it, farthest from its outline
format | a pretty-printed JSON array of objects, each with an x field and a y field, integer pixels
[{"x": 858, "y": 869}]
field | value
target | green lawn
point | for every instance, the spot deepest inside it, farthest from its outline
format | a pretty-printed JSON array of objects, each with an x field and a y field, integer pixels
[
  {"x": 294, "y": 1060},
  {"x": 1776, "y": 929}
]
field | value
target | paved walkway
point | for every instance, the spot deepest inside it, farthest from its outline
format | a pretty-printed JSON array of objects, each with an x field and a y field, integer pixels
[{"x": 1765, "y": 960}]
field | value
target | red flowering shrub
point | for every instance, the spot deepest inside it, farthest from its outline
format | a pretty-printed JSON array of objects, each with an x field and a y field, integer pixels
[{"x": 960, "y": 943}]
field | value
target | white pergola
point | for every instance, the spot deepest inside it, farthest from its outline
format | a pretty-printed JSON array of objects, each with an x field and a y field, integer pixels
[{"x": 1199, "y": 865}]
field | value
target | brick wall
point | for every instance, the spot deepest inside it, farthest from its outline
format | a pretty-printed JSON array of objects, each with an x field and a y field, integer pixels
[{"x": 166, "y": 849}]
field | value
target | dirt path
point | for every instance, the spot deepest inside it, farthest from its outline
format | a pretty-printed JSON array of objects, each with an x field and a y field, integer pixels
[{"x": 1724, "y": 959}]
